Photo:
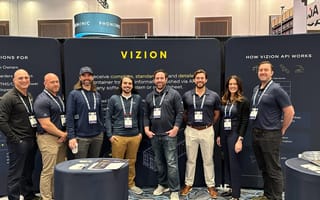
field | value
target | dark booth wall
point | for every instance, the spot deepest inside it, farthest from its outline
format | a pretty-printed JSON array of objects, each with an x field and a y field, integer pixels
[
  {"x": 296, "y": 63},
  {"x": 112, "y": 58},
  {"x": 295, "y": 59},
  {"x": 38, "y": 56}
]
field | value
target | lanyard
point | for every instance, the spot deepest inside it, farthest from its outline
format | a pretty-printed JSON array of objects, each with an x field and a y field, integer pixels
[
  {"x": 25, "y": 105},
  {"x": 194, "y": 102},
  {"x": 94, "y": 99},
  {"x": 154, "y": 101},
  {"x": 225, "y": 110},
  {"x": 58, "y": 104},
  {"x": 255, "y": 96},
  {"x": 124, "y": 108}
]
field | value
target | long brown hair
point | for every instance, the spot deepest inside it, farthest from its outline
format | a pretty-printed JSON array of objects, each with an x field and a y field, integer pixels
[
  {"x": 239, "y": 94},
  {"x": 78, "y": 86}
]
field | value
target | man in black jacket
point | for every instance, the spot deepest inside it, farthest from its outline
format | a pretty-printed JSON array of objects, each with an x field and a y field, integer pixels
[{"x": 18, "y": 124}]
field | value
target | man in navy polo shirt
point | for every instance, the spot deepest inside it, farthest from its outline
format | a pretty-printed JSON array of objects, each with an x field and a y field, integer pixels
[
  {"x": 269, "y": 104},
  {"x": 51, "y": 135},
  {"x": 202, "y": 111}
]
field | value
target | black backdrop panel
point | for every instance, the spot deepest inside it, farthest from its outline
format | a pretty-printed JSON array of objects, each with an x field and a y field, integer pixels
[
  {"x": 36, "y": 55},
  {"x": 296, "y": 63},
  {"x": 111, "y": 58}
]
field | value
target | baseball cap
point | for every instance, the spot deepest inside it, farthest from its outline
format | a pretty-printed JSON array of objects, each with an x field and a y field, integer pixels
[{"x": 85, "y": 69}]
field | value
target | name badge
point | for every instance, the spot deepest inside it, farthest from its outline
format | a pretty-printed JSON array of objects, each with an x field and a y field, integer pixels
[
  {"x": 156, "y": 113},
  {"x": 63, "y": 120},
  {"x": 227, "y": 124},
  {"x": 92, "y": 116},
  {"x": 198, "y": 116},
  {"x": 33, "y": 121},
  {"x": 128, "y": 122},
  {"x": 254, "y": 113}
]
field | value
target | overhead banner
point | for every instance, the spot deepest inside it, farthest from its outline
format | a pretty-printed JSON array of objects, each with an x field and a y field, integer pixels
[
  {"x": 36, "y": 55},
  {"x": 296, "y": 63},
  {"x": 112, "y": 58},
  {"x": 96, "y": 24}
]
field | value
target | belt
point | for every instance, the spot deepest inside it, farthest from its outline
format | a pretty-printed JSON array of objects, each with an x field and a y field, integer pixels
[{"x": 201, "y": 127}]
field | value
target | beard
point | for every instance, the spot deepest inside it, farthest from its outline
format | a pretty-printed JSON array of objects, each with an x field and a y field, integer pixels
[{"x": 200, "y": 85}]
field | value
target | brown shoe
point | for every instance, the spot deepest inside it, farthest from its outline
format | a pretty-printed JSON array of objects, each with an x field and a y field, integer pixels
[
  {"x": 185, "y": 190},
  {"x": 212, "y": 192}
]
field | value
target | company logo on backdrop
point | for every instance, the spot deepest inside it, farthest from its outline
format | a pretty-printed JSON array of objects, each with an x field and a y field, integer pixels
[
  {"x": 96, "y": 24},
  {"x": 146, "y": 54}
]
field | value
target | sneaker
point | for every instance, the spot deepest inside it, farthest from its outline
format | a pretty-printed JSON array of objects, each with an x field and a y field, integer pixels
[
  {"x": 186, "y": 190},
  {"x": 226, "y": 193},
  {"x": 212, "y": 192},
  {"x": 174, "y": 196},
  {"x": 136, "y": 190},
  {"x": 160, "y": 190}
]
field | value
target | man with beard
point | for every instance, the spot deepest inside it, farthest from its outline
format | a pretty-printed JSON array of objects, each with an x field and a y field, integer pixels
[
  {"x": 84, "y": 117},
  {"x": 202, "y": 110},
  {"x": 51, "y": 135},
  {"x": 18, "y": 124},
  {"x": 162, "y": 119},
  {"x": 124, "y": 126}
]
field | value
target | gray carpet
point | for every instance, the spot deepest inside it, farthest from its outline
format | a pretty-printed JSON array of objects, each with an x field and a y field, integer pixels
[{"x": 199, "y": 193}]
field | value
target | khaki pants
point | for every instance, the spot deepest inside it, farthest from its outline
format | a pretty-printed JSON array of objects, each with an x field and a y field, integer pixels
[
  {"x": 52, "y": 153},
  {"x": 205, "y": 139},
  {"x": 127, "y": 148}
]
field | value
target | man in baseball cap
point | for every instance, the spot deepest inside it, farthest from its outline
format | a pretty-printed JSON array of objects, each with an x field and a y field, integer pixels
[{"x": 85, "y": 69}]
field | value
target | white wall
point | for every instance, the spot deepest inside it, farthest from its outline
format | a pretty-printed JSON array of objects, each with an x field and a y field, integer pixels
[{"x": 171, "y": 17}]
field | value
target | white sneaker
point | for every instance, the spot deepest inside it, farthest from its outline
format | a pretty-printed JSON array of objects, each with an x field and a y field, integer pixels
[
  {"x": 136, "y": 190},
  {"x": 160, "y": 190},
  {"x": 174, "y": 196}
]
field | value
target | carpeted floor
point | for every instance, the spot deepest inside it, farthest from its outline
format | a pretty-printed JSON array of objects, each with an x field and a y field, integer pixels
[{"x": 199, "y": 193}]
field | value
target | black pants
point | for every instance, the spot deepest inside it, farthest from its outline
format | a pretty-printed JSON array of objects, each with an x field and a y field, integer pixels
[
  {"x": 21, "y": 164},
  {"x": 232, "y": 164},
  {"x": 266, "y": 146}
]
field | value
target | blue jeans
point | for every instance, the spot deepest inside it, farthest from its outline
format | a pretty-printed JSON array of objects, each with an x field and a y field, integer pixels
[
  {"x": 166, "y": 159},
  {"x": 266, "y": 146}
]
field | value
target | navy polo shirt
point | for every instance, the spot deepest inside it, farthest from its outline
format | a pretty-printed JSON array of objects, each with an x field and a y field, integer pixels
[
  {"x": 270, "y": 107},
  {"x": 210, "y": 104},
  {"x": 45, "y": 106}
]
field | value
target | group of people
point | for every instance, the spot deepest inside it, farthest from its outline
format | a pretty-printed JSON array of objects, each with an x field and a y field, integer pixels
[{"x": 52, "y": 125}]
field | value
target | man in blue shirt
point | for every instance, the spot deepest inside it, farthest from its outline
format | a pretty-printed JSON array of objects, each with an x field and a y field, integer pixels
[
  {"x": 268, "y": 104},
  {"x": 124, "y": 126},
  {"x": 162, "y": 119},
  {"x": 202, "y": 110},
  {"x": 84, "y": 117},
  {"x": 51, "y": 135}
]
